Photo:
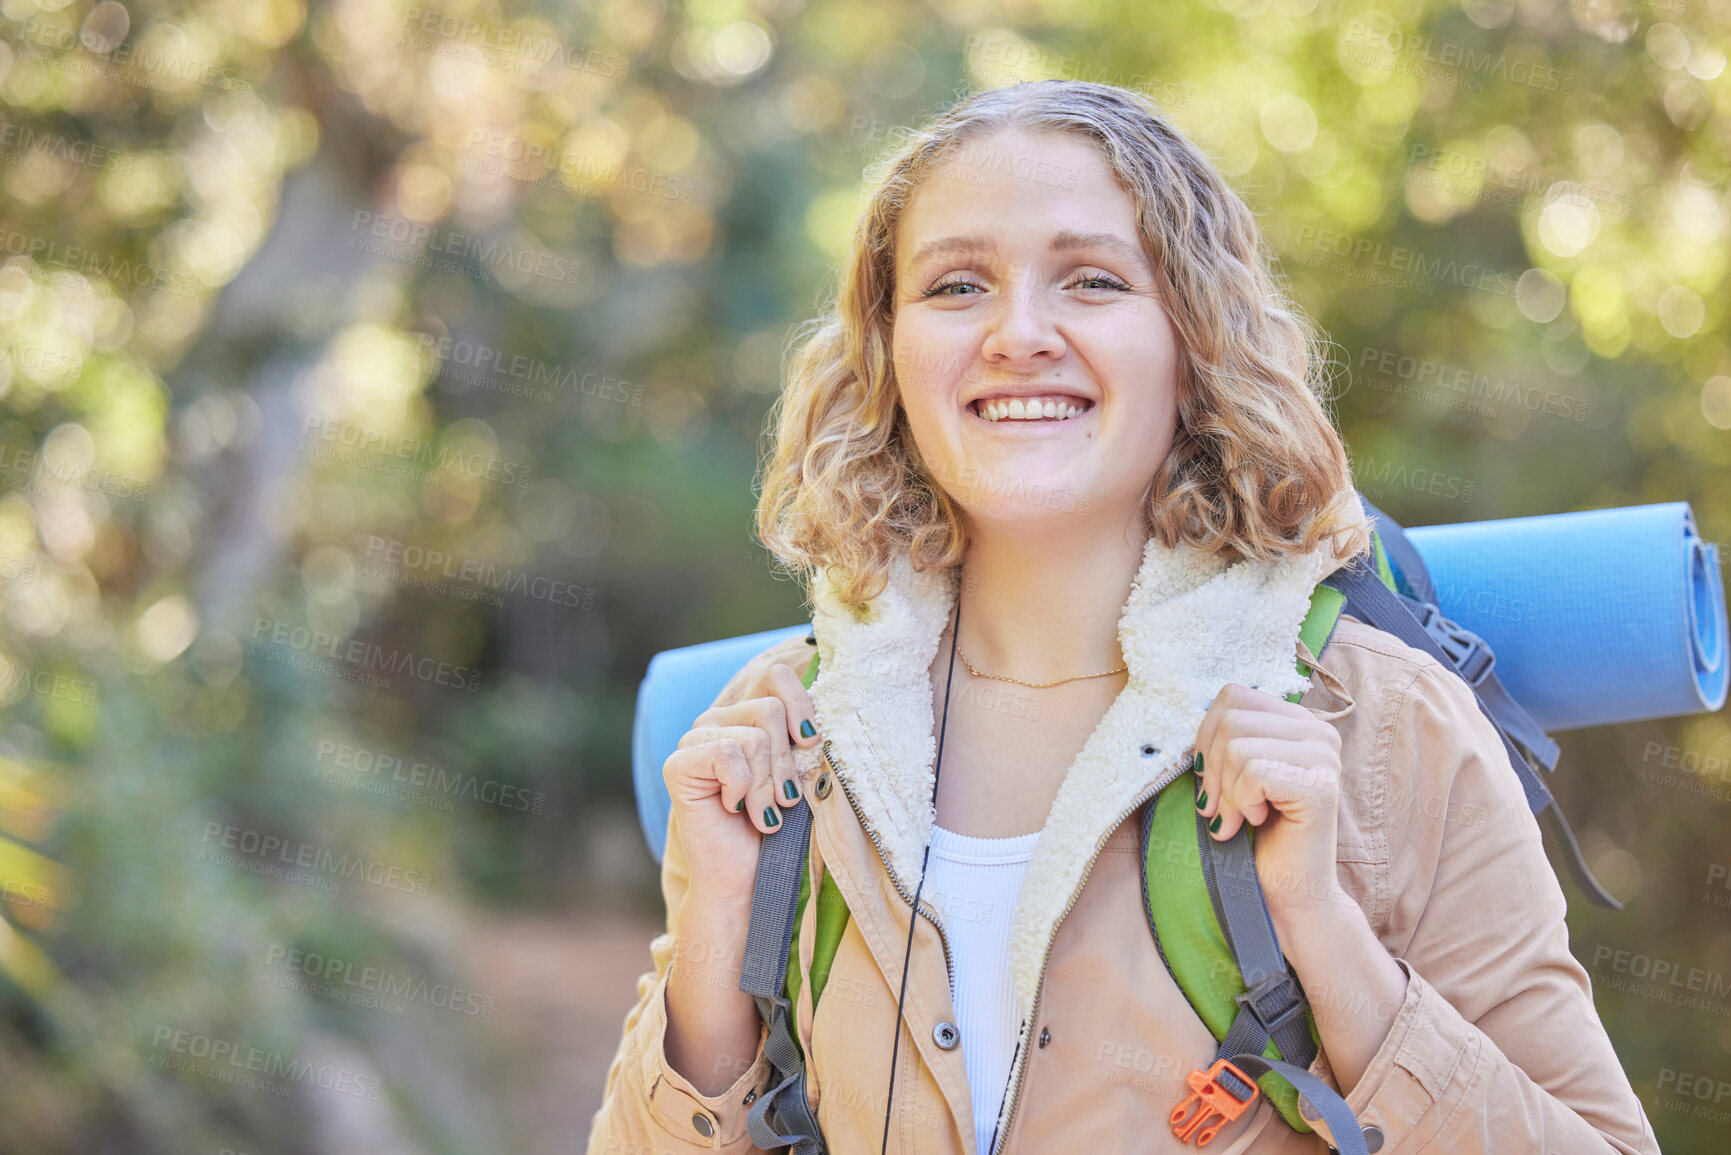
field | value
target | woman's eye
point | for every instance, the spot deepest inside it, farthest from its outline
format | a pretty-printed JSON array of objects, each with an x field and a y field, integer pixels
[
  {"x": 1101, "y": 282},
  {"x": 941, "y": 289}
]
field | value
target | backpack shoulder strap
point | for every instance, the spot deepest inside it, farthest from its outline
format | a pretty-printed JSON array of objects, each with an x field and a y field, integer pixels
[
  {"x": 782, "y": 1116},
  {"x": 1211, "y": 925}
]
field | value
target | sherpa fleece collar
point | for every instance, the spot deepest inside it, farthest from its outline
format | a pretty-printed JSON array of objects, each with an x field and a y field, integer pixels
[{"x": 1193, "y": 622}]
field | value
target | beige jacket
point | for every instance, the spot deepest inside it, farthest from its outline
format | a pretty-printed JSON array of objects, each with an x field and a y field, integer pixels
[{"x": 1496, "y": 1047}]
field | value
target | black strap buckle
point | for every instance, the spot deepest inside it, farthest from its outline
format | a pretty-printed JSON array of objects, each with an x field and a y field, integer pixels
[
  {"x": 1273, "y": 1002},
  {"x": 1470, "y": 653}
]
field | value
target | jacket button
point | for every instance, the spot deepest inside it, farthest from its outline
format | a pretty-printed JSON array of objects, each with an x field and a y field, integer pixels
[
  {"x": 946, "y": 1035},
  {"x": 823, "y": 785},
  {"x": 701, "y": 1124},
  {"x": 1373, "y": 1138},
  {"x": 1045, "y": 1036}
]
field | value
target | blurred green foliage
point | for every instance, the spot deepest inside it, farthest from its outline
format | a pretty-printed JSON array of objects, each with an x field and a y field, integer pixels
[{"x": 382, "y": 385}]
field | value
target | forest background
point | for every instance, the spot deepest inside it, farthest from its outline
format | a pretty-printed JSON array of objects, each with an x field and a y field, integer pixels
[{"x": 381, "y": 386}]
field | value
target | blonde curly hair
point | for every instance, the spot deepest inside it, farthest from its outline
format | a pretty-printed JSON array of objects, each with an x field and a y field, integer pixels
[{"x": 1255, "y": 466}]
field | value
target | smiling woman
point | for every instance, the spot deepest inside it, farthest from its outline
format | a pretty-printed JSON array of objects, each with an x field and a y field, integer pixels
[{"x": 1076, "y": 420}]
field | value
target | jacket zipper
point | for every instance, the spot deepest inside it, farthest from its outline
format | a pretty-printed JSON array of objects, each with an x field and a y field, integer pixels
[
  {"x": 924, "y": 908},
  {"x": 1021, "y": 1067}
]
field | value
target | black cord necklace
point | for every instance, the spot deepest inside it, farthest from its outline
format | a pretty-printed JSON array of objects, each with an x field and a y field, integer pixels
[{"x": 914, "y": 912}]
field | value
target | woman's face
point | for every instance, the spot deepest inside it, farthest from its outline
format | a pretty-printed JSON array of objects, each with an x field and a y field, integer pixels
[{"x": 1021, "y": 285}]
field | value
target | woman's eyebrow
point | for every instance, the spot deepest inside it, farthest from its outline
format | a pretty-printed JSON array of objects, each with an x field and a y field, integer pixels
[
  {"x": 967, "y": 244},
  {"x": 1061, "y": 242},
  {"x": 1066, "y": 240}
]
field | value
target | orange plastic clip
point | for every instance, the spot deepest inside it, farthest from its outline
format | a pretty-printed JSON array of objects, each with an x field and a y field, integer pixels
[{"x": 1215, "y": 1106}]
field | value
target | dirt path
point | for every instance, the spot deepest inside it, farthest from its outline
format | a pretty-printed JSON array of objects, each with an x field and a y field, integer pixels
[{"x": 564, "y": 985}]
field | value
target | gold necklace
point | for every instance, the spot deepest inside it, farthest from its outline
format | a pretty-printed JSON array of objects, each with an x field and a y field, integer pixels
[{"x": 1032, "y": 685}]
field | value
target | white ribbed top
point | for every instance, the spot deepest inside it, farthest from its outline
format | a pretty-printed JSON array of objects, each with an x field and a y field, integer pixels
[{"x": 974, "y": 883}]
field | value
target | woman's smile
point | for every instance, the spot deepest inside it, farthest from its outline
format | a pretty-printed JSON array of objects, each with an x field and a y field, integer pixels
[{"x": 1039, "y": 411}]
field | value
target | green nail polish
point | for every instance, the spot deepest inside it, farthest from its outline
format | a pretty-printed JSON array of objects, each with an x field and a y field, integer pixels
[
  {"x": 738, "y": 806},
  {"x": 771, "y": 819},
  {"x": 1214, "y": 827},
  {"x": 1198, "y": 766},
  {"x": 790, "y": 790},
  {"x": 1202, "y": 800},
  {"x": 806, "y": 729}
]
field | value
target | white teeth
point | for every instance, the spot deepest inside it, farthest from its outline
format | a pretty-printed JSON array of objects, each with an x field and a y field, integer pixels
[{"x": 1019, "y": 409}]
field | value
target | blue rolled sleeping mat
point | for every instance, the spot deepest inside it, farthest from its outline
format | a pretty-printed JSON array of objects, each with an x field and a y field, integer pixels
[
  {"x": 678, "y": 686},
  {"x": 1595, "y": 617}
]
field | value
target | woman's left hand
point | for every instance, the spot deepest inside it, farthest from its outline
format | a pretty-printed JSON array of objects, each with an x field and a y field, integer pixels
[{"x": 1276, "y": 765}]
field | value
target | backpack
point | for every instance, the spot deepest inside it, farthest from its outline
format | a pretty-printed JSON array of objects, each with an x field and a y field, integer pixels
[{"x": 1208, "y": 918}]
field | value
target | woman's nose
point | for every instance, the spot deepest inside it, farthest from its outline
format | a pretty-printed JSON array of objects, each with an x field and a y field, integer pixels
[{"x": 1022, "y": 323}]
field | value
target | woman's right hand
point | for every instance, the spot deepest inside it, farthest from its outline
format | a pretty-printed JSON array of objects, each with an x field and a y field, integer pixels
[{"x": 731, "y": 777}]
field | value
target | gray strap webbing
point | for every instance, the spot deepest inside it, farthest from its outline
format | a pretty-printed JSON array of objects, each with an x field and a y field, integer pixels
[
  {"x": 1514, "y": 719},
  {"x": 1272, "y": 1005},
  {"x": 763, "y": 975},
  {"x": 1369, "y": 599},
  {"x": 1464, "y": 650},
  {"x": 774, "y": 899},
  {"x": 786, "y": 1100},
  {"x": 1342, "y": 1124}
]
